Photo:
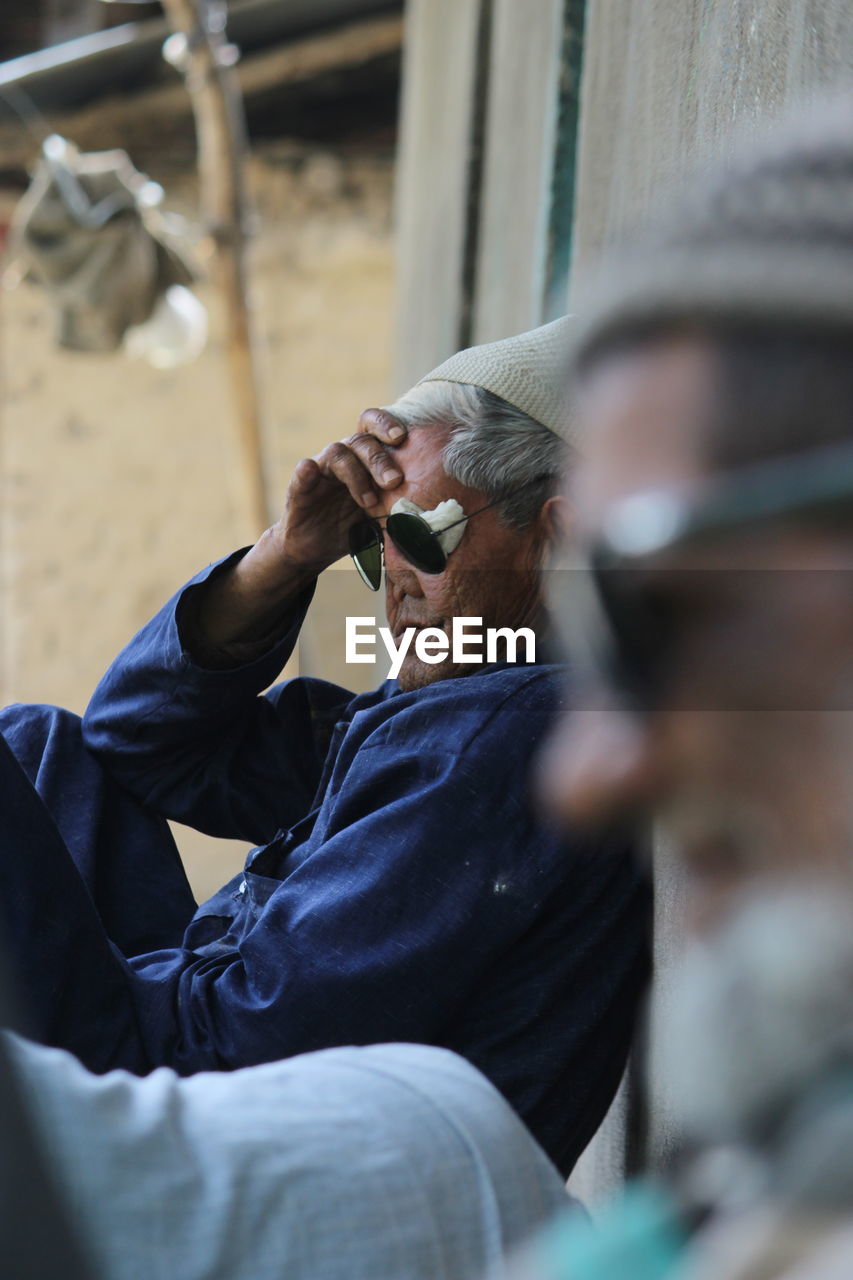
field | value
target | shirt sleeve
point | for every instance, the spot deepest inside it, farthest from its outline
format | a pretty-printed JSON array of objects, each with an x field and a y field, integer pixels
[{"x": 203, "y": 746}]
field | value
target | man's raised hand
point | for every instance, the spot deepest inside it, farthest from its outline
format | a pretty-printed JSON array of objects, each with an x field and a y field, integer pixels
[
  {"x": 326, "y": 495},
  {"x": 335, "y": 488}
]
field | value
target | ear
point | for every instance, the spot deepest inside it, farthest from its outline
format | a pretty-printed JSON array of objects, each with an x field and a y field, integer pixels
[{"x": 555, "y": 521}]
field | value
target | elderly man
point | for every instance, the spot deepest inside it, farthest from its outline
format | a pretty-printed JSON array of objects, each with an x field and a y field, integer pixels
[
  {"x": 715, "y": 385},
  {"x": 402, "y": 887}
]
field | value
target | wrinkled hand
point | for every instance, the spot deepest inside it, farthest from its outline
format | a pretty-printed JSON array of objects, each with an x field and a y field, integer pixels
[
  {"x": 331, "y": 491},
  {"x": 326, "y": 495}
]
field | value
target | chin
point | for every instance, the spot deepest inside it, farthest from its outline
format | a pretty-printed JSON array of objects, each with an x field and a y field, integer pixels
[{"x": 417, "y": 675}]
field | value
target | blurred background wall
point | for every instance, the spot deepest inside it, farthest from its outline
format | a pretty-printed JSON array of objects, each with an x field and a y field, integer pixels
[{"x": 120, "y": 481}]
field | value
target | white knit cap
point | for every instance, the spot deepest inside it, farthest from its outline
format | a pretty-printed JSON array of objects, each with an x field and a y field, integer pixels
[{"x": 528, "y": 371}]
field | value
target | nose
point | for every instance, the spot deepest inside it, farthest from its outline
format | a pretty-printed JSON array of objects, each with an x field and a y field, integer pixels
[
  {"x": 600, "y": 765},
  {"x": 401, "y": 580}
]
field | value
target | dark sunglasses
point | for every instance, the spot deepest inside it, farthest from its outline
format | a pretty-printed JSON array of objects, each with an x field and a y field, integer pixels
[
  {"x": 416, "y": 541},
  {"x": 617, "y": 609}
]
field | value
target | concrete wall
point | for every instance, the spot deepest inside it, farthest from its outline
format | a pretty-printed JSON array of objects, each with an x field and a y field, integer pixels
[
  {"x": 489, "y": 89},
  {"x": 667, "y": 82}
]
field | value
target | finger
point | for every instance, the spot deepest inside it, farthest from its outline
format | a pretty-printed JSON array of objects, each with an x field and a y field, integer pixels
[
  {"x": 381, "y": 464},
  {"x": 307, "y": 474},
  {"x": 382, "y": 424},
  {"x": 340, "y": 462}
]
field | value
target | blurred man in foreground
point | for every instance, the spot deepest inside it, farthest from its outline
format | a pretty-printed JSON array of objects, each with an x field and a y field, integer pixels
[{"x": 714, "y": 598}]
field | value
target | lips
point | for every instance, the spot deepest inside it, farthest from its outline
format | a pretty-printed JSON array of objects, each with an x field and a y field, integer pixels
[{"x": 399, "y": 627}]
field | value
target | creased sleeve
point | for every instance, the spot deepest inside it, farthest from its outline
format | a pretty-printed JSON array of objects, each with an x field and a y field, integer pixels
[{"x": 206, "y": 747}]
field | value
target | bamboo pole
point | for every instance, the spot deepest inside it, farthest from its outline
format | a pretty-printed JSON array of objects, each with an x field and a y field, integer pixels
[{"x": 200, "y": 51}]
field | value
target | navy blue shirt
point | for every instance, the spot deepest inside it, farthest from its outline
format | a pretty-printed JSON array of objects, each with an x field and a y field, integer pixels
[{"x": 402, "y": 886}]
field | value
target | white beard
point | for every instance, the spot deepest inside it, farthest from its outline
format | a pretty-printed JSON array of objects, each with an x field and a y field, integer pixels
[{"x": 758, "y": 1012}]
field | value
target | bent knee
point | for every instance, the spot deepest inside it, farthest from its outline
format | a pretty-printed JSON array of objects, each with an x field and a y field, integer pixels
[{"x": 32, "y": 730}]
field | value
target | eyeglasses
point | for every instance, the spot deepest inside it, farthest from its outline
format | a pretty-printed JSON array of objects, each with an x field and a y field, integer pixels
[
  {"x": 415, "y": 540},
  {"x": 620, "y": 615}
]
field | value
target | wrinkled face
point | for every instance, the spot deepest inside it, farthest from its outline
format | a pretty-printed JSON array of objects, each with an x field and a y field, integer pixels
[
  {"x": 747, "y": 755},
  {"x": 492, "y": 574}
]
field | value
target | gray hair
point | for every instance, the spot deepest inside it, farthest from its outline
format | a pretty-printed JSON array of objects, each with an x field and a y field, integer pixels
[{"x": 494, "y": 447}]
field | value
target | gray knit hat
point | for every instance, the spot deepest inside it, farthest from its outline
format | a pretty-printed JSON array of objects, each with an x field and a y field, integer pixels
[
  {"x": 768, "y": 239},
  {"x": 528, "y": 371}
]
